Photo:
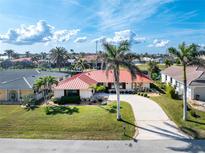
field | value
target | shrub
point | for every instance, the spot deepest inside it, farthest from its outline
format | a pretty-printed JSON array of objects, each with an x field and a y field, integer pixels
[
  {"x": 70, "y": 100},
  {"x": 111, "y": 108},
  {"x": 160, "y": 87},
  {"x": 29, "y": 102},
  {"x": 145, "y": 95},
  {"x": 55, "y": 100},
  {"x": 100, "y": 88},
  {"x": 155, "y": 76},
  {"x": 170, "y": 91},
  {"x": 141, "y": 94},
  {"x": 60, "y": 110}
]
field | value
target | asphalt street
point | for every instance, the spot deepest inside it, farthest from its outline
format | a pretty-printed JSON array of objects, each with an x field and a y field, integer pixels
[{"x": 29, "y": 145}]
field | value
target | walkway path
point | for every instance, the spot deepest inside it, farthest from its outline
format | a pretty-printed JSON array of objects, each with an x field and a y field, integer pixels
[{"x": 152, "y": 122}]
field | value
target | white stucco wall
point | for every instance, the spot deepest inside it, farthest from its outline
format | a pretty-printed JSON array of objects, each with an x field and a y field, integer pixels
[
  {"x": 128, "y": 86},
  {"x": 58, "y": 93},
  {"x": 86, "y": 93},
  {"x": 168, "y": 79},
  {"x": 163, "y": 78},
  {"x": 146, "y": 85},
  {"x": 83, "y": 93},
  {"x": 174, "y": 82}
]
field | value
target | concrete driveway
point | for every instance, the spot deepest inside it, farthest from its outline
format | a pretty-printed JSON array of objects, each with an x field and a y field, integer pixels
[{"x": 152, "y": 122}]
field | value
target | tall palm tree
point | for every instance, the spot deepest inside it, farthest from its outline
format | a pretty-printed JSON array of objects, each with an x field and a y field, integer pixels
[
  {"x": 59, "y": 56},
  {"x": 45, "y": 84},
  {"x": 50, "y": 80},
  {"x": 43, "y": 55},
  {"x": 80, "y": 64},
  {"x": 116, "y": 56},
  {"x": 35, "y": 58},
  {"x": 15, "y": 55},
  {"x": 187, "y": 55},
  {"x": 9, "y": 53}
]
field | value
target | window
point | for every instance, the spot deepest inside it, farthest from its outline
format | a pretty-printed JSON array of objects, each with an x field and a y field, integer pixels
[
  {"x": 100, "y": 84},
  {"x": 121, "y": 86},
  {"x": 71, "y": 92}
]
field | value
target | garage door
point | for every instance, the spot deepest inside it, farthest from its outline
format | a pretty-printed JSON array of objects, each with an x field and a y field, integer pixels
[{"x": 200, "y": 93}]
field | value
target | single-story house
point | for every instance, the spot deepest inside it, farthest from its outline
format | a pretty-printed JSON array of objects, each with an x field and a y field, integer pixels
[
  {"x": 14, "y": 84},
  {"x": 22, "y": 60},
  {"x": 80, "y": 84},
  {"x": 195, "y": 81},
  {"x": 93, "y": 61}
]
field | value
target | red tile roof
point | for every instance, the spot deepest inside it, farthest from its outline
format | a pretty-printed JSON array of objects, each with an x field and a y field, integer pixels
[
  {"x": 22, "y": 59},
  {"x": 86, "y": 79}
]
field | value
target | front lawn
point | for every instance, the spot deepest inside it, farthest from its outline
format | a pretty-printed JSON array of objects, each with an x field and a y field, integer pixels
[
  {"x": 92, "y": 122},
  {"x": 173, "y": 108},
  {"x": 144, "y": 67}
]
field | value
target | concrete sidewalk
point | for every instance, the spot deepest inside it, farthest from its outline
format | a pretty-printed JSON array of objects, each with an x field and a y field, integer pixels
[{"x": 152, "y": 122}]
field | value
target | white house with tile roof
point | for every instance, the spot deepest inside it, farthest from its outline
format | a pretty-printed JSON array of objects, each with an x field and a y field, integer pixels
[
  {"x": 80, "y": 84},
  {"x": 195, "y": 81}
]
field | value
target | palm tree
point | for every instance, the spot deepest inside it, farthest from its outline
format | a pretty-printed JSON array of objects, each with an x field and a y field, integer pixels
[
  {"x": 168, "y": 62},
  {"x": 50, "y": 80},
  {"x": 153, "y": 68},
  {"x": 187, "y": 55},
  {"x": 15, "y": 55},
  {"x": 80, "y": 64},
  {"x": 116, "y": 56},
  {"x": 45, "y": 84},
  {"x": 43, "y": 55},
  {"x": 9, "y": 53},
  {"x": 35, "y": 58},
  {"x": 59, "y": 56}
]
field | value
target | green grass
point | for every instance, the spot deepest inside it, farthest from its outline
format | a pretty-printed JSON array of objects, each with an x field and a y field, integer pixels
[
  {"x": 173, "y": 108},
  {"x": 144, "y": 67},
  {"x": 92, "y": 122}
]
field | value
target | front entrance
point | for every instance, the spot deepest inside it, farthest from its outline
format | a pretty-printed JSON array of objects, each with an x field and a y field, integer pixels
[
  {"x": 71, "y": 93},
  {"x": 13, "y": 96}
]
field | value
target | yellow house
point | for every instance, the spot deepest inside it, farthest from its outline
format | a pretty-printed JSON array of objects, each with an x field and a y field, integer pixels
[{"x": 14, "y": 84}]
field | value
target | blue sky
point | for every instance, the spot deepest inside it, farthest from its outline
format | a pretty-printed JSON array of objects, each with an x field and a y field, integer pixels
[{"x": 151, "y": 25}]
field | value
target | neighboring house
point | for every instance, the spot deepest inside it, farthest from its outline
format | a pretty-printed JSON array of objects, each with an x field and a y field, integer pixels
[
  {"x": 22, "y": 60},
  {"x": 17, "y": 83},
  {"x": 93, "y": 60},
  {"x": 195, "y": 81},
  {"x": 80, "y": 84},
  {"x": 3, "y": 57}
]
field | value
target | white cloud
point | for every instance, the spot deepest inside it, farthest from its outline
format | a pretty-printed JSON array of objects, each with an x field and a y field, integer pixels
[
  {"x": 64, "y": 35},
  {"x": 99, "y": 39},
  {"x": 81, "y": 39},
  {"x": 159, "y": 43},
  {"x": 202, "y": 45},
  {"x": 116, "y": 14},
  {"x": 41, "y": 32},
  {"x": 126, "y": 35}
]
